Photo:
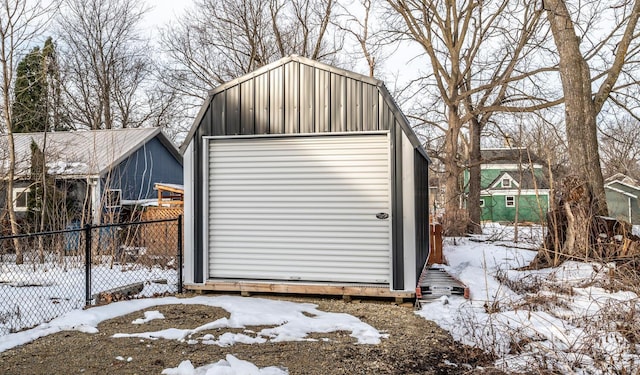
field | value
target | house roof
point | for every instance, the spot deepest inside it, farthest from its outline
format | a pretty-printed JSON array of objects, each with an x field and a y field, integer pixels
[
  {"x": 398, "y": 114},
  {"x": 508, "y": 156},
  {"x": 80, "y": 153},
  {"x": 528, "y": 181}
]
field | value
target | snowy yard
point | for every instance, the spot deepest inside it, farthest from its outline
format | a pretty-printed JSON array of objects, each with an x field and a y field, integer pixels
[
  {"x": 36, "y": 293},
  {"x": 565, "y": 319}
]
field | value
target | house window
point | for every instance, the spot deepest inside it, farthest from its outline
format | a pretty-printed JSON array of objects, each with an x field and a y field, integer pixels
[
  {"x": 506, "y": 183},
  {"x": 510, "y": 201},
  {"x": 21, "y": 199},
  {"x": 481, "y": 202},
  {"x": 113, "y": 198}
]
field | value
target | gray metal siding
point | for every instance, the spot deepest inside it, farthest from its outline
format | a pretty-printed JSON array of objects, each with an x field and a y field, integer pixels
[
  {"x": 297, "y": 98},
  {"x": 396, "y": 209},
  {"x": 421, "y": 166}
]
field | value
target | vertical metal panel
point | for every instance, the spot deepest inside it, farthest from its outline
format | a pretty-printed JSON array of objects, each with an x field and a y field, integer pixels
[
  {"x": 322, "y": 97},
  {"x": 200, "y": 212},
  {"x": 354, "y": 105},
  {"x": 421, "y": 179},
  {"x": 300, "y": 208},
  {"x": 338, "y": 115},
  {"x": 276, "y": 99},
  {"x": 247, "y": 109},
  {"x": 397, "y": 245},
  {"x": 387, "y": 119},
  {"x": 292, "y": 98},
  {"x": 261, "y": 87},
  {"x": 232, "y": 105},
  {"x": 307, "y": 98},
  {"x": 370, "y": 107},
  {"x": 217, "y": 115}
]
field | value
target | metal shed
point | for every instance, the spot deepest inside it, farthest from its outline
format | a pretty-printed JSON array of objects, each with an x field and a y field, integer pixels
[{"x": 302, "y": 177}]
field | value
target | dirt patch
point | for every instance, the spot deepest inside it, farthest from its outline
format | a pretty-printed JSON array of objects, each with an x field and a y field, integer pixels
[{"x": 414, "y": 346}]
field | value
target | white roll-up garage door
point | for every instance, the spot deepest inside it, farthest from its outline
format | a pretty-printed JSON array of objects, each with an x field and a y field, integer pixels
[{"x": 313, "y": 208}]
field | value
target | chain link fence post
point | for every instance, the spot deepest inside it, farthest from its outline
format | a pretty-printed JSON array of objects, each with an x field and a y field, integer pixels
[{"x": 87, "y": 264}]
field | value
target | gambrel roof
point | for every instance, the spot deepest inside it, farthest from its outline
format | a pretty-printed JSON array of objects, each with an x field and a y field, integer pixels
[{"x": 298, "y": 95}]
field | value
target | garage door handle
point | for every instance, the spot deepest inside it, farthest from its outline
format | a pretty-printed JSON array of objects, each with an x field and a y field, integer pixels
[{"x": 382, "y": 215}]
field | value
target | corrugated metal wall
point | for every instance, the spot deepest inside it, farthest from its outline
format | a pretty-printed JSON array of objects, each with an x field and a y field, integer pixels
[
  {"x": 421, "y": 166},
  {"x": 297, "y": 98}
]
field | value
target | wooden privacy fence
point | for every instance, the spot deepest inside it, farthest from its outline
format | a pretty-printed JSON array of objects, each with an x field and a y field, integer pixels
[
  {"x": 435, "y": 244},
  {"x": 155, "y": 236}
]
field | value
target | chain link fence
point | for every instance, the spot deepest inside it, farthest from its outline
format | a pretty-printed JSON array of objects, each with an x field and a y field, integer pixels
[{"x": 44, "y": 275}]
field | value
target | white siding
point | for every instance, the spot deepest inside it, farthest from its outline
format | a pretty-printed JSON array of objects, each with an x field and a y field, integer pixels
[
  {"x": 409, "y": 214},
  {"x": 300, "y": 208},
  {"x": 188, "y": 167}
]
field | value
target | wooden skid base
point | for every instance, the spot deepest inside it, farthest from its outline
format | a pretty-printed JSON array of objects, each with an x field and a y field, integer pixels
[{"x": 345, "y": 290}]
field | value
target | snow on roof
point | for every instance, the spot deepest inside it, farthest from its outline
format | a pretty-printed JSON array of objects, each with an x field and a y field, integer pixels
[
  {"x": 171, "y": 186},
  {"x": 75, "y": 153}
]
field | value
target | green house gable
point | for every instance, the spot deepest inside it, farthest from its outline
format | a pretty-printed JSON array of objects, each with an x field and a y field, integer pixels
[{"x": 511, "y": 190}]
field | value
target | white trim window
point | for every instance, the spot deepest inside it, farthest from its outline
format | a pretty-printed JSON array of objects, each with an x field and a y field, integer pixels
[
  {"x": 481, "y": 202},
  {"x": 509, "y": 200},
  {"x": 113, "y": 198},
  {"x": 21, "y": 199},
  {"x": 506, "y": 182}
]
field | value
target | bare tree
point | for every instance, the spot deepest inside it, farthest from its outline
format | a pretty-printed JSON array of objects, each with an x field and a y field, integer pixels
[
  {"x": 595, "y": 65},
  {"x": 105, "y": 62},
  {"x": 218, "y": 40},
  {"x": 479, "y": 62},
  {"x": 620, "y": 150},
  {"x": 358, "y": 23},
  {"x": 21, "y": 22},
  {"x": 587, "y": 88}
]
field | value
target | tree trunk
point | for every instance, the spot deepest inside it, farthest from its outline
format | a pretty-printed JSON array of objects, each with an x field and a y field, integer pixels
[
  {"x": 580, "y": 109},
  {"x": 12, "y": 158},
  {"x": 473, "y": 200},
  {"x": 10, "y": 176},
  {"x": 454, "y": 221}
]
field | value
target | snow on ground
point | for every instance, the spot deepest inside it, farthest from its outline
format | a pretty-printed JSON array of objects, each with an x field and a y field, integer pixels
[
  {"x": 559, "y": 318},
  {"x": 230, "y": 366},
  {"x": 36, "y": 293},
  {"x": 289, "y": 321}
]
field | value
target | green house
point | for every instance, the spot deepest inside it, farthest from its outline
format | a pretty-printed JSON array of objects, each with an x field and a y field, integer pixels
[
  {"x": 622, "y": 198},
  {"x": 514, "y": 187}
]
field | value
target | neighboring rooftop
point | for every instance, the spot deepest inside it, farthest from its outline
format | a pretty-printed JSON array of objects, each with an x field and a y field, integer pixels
[
  {"x": 78, "y": 153},
  {"x": 508, "y": 155}
]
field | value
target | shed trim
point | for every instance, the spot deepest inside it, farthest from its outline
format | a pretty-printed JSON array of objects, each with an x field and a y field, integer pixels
[{"x": 622, "y": 192}]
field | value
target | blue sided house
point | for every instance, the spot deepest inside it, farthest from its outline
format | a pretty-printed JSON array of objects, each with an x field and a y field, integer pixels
[
  {"x": 93, "y": 172},
  {"x": 514, "y": 187}
]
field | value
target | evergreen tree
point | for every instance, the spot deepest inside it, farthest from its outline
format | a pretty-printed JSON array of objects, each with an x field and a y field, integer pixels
[
  {"x": 37, "y": 92},
  {"x": 30, "y": 94}
]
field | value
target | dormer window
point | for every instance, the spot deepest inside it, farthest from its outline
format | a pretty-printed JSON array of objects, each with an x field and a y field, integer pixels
[{"x": 506, "y": 183}]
